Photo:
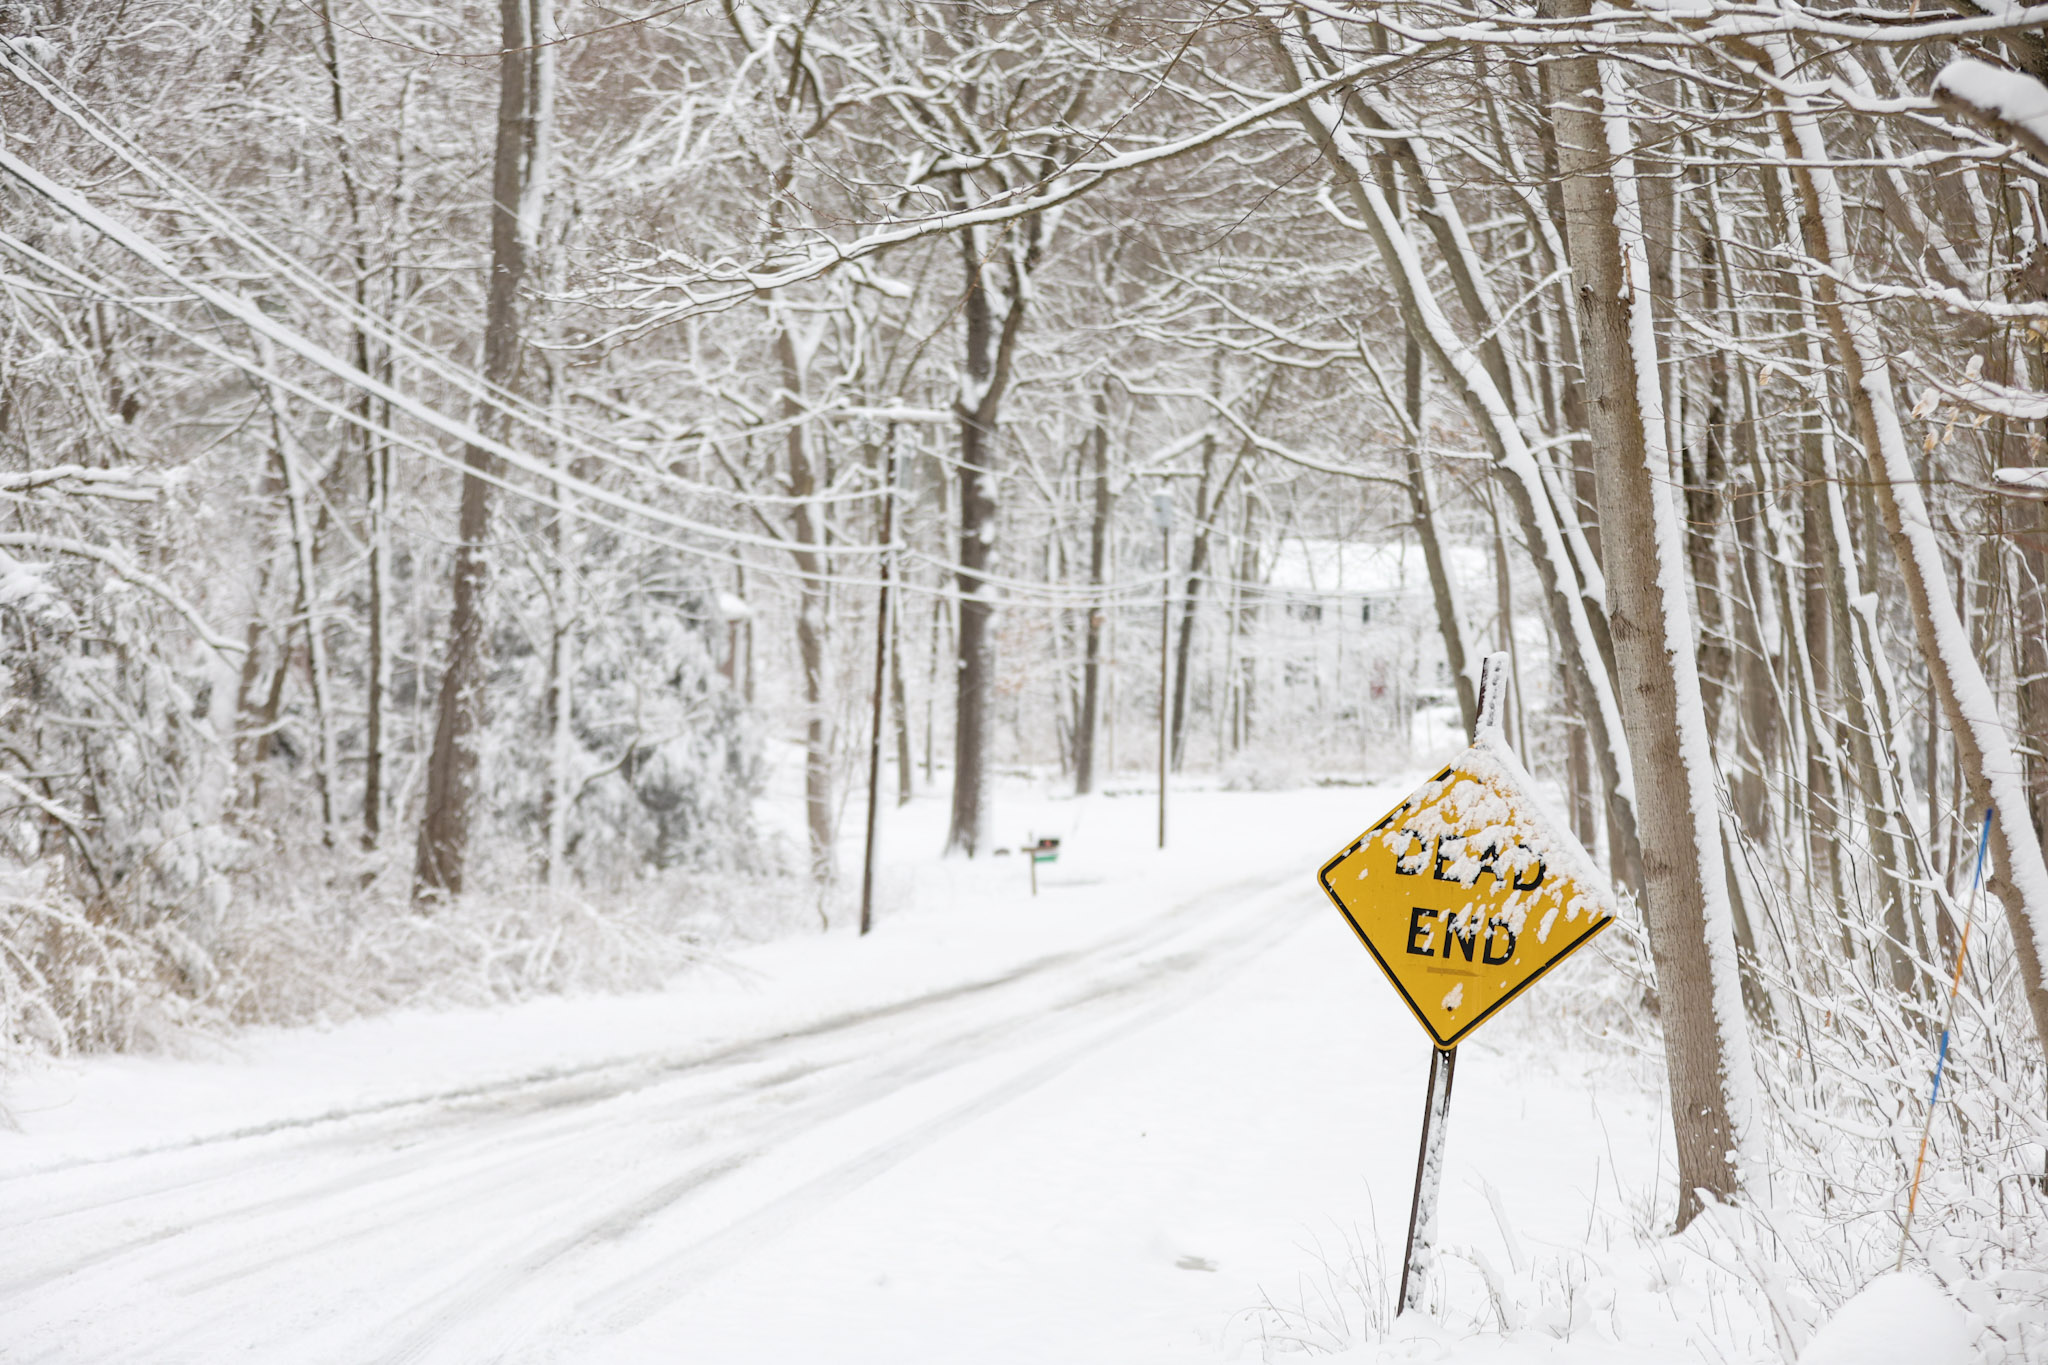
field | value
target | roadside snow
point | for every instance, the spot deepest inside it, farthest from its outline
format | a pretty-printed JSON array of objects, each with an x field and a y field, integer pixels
[
  {"x": 1164, "y": 1112},
  {"x": 941, "y": 924},
  {"x": 1904, "y": 1319}
]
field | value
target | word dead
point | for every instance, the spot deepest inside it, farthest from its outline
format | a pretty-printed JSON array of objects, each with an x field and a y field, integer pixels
[{"x": 1516, "y": 867}]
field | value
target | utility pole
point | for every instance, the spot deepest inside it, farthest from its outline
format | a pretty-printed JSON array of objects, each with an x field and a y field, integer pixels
[
  {"x": 1162, "y": 517},
  {"x": 867, "y": 872}
]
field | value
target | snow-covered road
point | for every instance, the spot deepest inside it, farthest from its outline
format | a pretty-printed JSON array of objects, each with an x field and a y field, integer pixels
[{"x": 1116, "y": 1148}]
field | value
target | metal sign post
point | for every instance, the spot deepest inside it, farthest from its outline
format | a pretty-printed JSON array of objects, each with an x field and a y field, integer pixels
[
  {"x": 1429, "y": 1176},
  {"x": 1443, "y": 1068}
]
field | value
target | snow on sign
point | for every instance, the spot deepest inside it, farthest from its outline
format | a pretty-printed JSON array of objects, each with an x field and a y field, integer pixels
[{"x": 1467, "y": 892}]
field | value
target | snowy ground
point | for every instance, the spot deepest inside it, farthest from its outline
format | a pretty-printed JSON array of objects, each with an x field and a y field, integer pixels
[{"x": 1165, "y": 1111}]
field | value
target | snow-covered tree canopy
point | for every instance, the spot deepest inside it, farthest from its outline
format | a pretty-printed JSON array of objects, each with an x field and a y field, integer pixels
[{"x": 463, "y": 438}]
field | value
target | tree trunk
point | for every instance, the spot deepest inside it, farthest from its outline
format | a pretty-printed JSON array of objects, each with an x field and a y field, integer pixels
[
  {"x": 518, "y": 189},
  {"x": 1183, "y": 648},
  {"x": 1422, "y": 502},
  {"x": 989, "y": 348},
  {"x": 377, "y": 663},
  {"x": 899, "y": 706},
  {"x": 1207, "y": 499},
  {"x": 1504, "y": 610},
  {"x": 1705, "y": 471},
  {"x": 1098, "y": 550},
  {"x": 1685, "y": 895},
  {"x": 290, "y": 460},
  {"x": 376, "y": 454},
  {"x": 565, "y": 614},
  {"x": 977, "y": 542},
  {"x": 812, "y": 624}
]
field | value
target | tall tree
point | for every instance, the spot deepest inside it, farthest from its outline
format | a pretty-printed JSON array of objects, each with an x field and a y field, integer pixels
[
  {"x": 519, "y": 176},
  {"x": 1706, "y": 1039},
  {"x": 993, "y": 314}
]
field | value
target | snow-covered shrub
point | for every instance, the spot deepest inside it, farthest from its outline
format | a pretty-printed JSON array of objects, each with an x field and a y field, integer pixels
[
  {"x": 673, "y": 757},
  {"x": 659, "y": 759},
  {"x": 115, "y": 841},
  {"x": 1849, "y": 1062},
  {"x": 313, "y": 956},
  {"x": 71, "y": 981},
  {"x": 1263, "y": 770},
  {"x": 169, "y": 856}
]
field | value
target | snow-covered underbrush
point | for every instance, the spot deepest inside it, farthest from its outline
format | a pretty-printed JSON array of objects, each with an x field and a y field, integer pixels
[
  {"x": 321, "y": 936},
  {"x": 1849, "y": 1065},
  {"x": 1846, "y": 1063}
]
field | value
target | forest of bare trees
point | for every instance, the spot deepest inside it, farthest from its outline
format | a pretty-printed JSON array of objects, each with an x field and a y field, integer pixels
[{"x": 445, "y": 449}]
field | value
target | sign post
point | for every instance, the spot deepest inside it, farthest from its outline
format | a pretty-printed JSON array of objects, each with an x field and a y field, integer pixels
[
  {"x": 867, "y": 866},
  {"x": 1044, "y": 851},
  {"x": 1465, "y": 894},
  {"x": 1429, "y": 1176},
  {"x": 1162, "y": 517}
]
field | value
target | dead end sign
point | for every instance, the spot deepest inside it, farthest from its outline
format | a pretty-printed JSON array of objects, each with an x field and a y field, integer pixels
[{"x": 1466, "y": 892}]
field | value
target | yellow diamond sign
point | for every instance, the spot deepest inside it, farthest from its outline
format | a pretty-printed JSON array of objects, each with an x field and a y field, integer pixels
[{"x": 1467, "y": 892}]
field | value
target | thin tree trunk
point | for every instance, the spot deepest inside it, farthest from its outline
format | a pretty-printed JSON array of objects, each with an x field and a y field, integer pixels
[
  {"x": 1098, "y": 551},
  {"x": 1207, "y": 499},
  {"x": 1521, "y": 475},
  {"x": 376, "y": 456},
  {"x": 1757, "y": 633},
  {"x": 1241, "y": 617},
  {"x": 1984, "y": 751},
  {"x": 377, "y": 663},
  {"x": 1705, "y": 472},
  {"x": 1504, "y": 609},
  {"x": 931, "y": 689},
  {"x": 252, "y": 729},
  {"x": 1198, "y": 551},
  {"x": 561, "y": 687},
  {"x": 1422, "y": 503},
  {"x": 812, "y": 626},
  {"x": 564, "y": 616},
  {"x": 290, "y": 460},
  {"x": 899, "y": 707}
]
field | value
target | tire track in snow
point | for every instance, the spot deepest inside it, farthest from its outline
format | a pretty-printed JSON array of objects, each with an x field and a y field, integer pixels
[
  {"x": 465, "y": 1115},
  {"x": 881, "y": 1052},
  {"x": 640, "y": 1068},
  {"x": 622, "y": 1301}
]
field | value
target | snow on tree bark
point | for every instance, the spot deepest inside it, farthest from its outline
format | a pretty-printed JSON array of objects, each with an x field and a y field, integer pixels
[{"x": 1706, "y": 1035}]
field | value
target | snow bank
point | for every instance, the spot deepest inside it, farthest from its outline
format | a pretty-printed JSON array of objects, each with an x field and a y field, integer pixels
[{"x": 1903, "y": 1319}]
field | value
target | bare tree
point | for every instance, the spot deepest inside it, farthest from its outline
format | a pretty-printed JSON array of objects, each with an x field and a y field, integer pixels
[{"x": 518, "y": 190}]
